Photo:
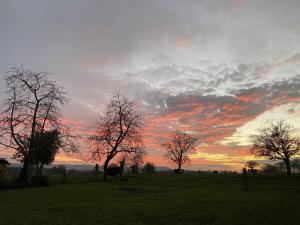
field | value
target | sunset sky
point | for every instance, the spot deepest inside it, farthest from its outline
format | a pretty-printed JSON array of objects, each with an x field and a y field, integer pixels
[{"x": 217, "y": 69}]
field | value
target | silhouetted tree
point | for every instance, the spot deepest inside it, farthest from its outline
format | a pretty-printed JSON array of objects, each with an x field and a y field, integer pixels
[
  {"x": 117, "y": 132},
  {"x": 32, "y": 106},
  {"x": 276, "y": 143},
  {"x": 148, "y": 168},
  {"x": 178, "y": 147},
  {"x": 251, "y": 165},
  {"x": 136, "y": 162},
  {"x": 47, "y": 145}
]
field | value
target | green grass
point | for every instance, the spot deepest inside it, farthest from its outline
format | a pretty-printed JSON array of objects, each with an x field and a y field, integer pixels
[{"x": 157, "y": 199}]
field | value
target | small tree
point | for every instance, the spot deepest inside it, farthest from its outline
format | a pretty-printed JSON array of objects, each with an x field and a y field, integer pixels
[
  {"x": 136, "y": 162},
  {"x": 148, "y": 168},
  {"x": 178, "y": 147},
  {"x": 251, "y": 165},
  {"x": 47, "y": 145},
  {"x": 117, "y": 131},
  {"x": 276, "y": 143}
]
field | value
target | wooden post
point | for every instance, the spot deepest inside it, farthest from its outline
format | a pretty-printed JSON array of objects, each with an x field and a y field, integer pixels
[
  {"x": 96, "y": 171},
  {"x": 245, "y": 181},
  {"x": 65, "y": 174}
]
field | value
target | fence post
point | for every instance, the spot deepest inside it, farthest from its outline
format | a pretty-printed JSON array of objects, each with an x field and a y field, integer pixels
[
  {"x": 65, "y": 174},
  {"x": 245, "y": 179},
  {"x": 96, "y": 171}
]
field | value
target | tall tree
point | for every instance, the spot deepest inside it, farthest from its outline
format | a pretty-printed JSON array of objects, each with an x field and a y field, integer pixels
[
  {"x": 32, "y": 106},
  {"x": 275, "y": 143},
  {"x": 117, "y": 131},
  {"x": 178, "y": 147}
]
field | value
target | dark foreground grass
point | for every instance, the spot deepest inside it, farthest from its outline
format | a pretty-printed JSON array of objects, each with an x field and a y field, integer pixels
[{"x": 157, "y": 199}]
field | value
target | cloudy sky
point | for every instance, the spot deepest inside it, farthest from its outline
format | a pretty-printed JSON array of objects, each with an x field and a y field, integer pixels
[{"x": 218, "y": 69}]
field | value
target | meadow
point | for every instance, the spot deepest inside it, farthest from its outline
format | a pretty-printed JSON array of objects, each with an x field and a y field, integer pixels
[{"x": 157, "y": 199}]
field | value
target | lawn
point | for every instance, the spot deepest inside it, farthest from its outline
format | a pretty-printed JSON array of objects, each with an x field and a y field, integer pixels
[{"x": 157, "y": 199}]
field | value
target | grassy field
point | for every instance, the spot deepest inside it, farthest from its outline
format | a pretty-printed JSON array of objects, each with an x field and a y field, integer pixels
[{"x": 157, "y": 199}]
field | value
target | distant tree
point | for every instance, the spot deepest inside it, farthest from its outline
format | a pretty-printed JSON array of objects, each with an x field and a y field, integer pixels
[
  {"x": 148, "y": 168},
  {"x": 251, "y": 165},
  {"x": 276, "y": 143},
  {"x": 117, "y": 132},
  {"x": 178, "y": 147},
  {"x": 32, "y": 106},
  {"x": 136, "y": 162},
  {"x": 47, "y": 145}
]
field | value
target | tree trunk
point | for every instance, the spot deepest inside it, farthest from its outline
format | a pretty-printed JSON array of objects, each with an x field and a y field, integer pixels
[
  {"x": 180, "y": 162},
  {"x": 121, "y": 171},
  {"x": 96, "y": 171},
  {"x": 105, "y": 166},
  {"x": 41, "y": 169},
  {"x": 24, "y": 175},
  {"x": 179, "y": 168},
  {"x": 288, "y": 166}
]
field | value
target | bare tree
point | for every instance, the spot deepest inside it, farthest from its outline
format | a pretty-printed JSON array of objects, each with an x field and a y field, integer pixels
[
  {"x": 251, "y": 164},
  {"x": 178, "y": 147},
  {"x": 117, "y": 131},
  {"x": 276, "y": 143},
  {"x": 32, "y": 106}
]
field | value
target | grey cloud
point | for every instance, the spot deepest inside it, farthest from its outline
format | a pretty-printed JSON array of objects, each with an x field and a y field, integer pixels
[
  {"x": 215, "y": 80},
  {"x": 80, "y": 41},
  {"x": 250, "y": 102}
]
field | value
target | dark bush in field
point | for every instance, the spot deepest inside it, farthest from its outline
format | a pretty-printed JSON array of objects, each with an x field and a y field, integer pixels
[
  {"x": 113, "y": 170},
  {"x": 177, "y": 171}
]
